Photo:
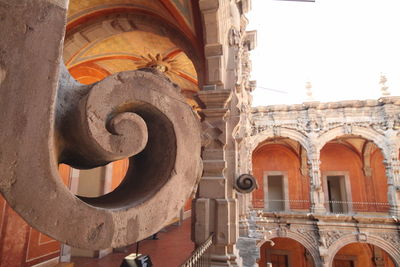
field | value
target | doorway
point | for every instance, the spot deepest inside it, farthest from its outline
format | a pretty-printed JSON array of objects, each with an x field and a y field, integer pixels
[
  {"x": 275, "y": 193},
  {"x": 337, "y": 194}
]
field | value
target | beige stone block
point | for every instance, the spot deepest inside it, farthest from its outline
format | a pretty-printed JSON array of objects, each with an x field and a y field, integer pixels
[
  {"x": 234, "y": 220},
  {"x": 212, "y": 29},
  {"x": 213, "y": 154},
  {"x": 213, "y": 167},
  {"x": 212, "y": 187},
  {"x": 202, "y": 223},
  {"x": 213, "y": 50},
  {"x": 214, "y": 67},
  {"x": 208, "y": 5},
  {"x": 223, "y": 227}
]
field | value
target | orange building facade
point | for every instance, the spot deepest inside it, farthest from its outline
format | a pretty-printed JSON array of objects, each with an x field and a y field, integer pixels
[
  {"x": 327, "y": 177},
  {"x": 200, "y": 46}
]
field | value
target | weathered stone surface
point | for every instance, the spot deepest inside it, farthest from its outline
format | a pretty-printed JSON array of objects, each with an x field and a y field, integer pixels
[
  {"x": 249, "y": 251},
  {"x": 138, "y": 114}
]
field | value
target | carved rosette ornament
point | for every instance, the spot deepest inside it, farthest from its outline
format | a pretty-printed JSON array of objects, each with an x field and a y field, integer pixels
[
  {"x": 48, "y": 119},
  {"x": 246, "y": 183}
]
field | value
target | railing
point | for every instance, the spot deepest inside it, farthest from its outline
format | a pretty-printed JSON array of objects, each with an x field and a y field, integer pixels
[
  {"x": 201, "y": 256},
  {"x": 348, "y": 207},
  {"x": 282, "y": 204},
  {"x": 333, "y": 207}
]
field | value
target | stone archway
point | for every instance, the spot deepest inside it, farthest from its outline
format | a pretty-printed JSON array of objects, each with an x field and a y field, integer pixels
[
  {"x": 366, "y": 133},
  {"x": 308, "y": 241},
  {"x": 120, "y": 21},
  {"x": 370, "y": 239},
  {"x": 281, "y": 132}
]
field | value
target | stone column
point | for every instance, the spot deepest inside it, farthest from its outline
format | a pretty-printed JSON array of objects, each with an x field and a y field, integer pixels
[
  {"x": 392, "y": 167},
  {"x": 317, "y": 197},
  {"x": 215, "y": 205}
]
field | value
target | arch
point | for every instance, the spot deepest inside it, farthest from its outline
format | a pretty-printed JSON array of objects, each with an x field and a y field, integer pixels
[
  {"x": 370, "y": 239},
  {"x": 311, "y": 247},
  {"x": 280, "y": 160},
  {"x": 279, "y": 132},
  {"x": 81, "y": 36},
  {"x": 366, "y": 133}
]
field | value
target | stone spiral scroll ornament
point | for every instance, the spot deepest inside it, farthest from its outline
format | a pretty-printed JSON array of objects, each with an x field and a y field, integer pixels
[
  {"x": 246, "y": 183},
  {"x": 48, "y": 118}
]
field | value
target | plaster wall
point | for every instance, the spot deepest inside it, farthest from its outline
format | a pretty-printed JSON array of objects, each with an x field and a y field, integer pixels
[
  {"x": 379, "y": 178},
  {"x": 339, "y": 158},
  {"x": 278, "y": 158}
]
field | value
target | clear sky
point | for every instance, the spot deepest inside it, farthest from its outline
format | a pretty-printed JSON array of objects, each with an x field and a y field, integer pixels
[{"x": 340, "y": 46}]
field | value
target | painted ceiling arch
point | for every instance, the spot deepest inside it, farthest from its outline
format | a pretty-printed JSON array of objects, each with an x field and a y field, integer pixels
[
  {"x": 177, "y": 12},
  {"x": 134, "y": 50},
  {"x": 90, "y": 54}
]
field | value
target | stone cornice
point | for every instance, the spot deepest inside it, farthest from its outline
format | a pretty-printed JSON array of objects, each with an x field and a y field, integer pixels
[
  {"x": 329, "y": 218},
  {"x": 395, "y": 100}
]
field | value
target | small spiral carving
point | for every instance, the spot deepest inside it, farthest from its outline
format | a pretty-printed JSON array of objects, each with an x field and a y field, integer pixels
[
  {"x": 113, "y": 135},
  {"x": 105, "y": 124},
  {"x": 246, "y": 183},
  {"x": 132, "y": 128}
]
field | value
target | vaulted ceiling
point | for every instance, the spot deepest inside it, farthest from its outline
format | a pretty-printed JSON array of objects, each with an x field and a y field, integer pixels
[{"x": 109, "y": 36}]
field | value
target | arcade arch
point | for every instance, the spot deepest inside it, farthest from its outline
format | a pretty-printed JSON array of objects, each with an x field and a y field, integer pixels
[
  {"x": 291, "y": 250},
  {"x": 280, "y": 167},
  {"x": 353, "y": 176},
  {"x": 362, "y": 132},
  {"x": 339, "y": 247}
]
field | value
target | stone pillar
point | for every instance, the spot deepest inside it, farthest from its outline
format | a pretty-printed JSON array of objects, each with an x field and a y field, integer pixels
[
  {"x": 317, "y": 197},
  {"x": 392, "y": 167},
  {"x": 216, "y": 205}
]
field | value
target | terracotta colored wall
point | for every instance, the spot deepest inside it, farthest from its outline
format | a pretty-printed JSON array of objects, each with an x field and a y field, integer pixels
[
  {"x": 379, "y": 180},
  {"x": 337, "y": 157},
  {"x": 118, "y": 172},
  {"x": 275, "y": 157},
  {"x": 20, "y": 244},
  {"x": 363, "y": 253},
  {"x": 188, "y": 204},
  {"x": 296, "y": 250}
]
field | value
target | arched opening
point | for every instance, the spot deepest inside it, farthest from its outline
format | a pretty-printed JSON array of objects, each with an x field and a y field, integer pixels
[
  {"x": 284, "y": 252},
  {"x": 362, "y": 254},
  {"x": 94, "y": 182},
  {"x": 107, "y": 37},
  {"x": 280, "y": 167},
  {"x": 353, "y": 176}
]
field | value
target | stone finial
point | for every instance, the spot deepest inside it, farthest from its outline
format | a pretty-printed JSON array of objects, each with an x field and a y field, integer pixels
[
  {"x": 309, "y": 93},
  {"x": 384, "y": 88}
]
